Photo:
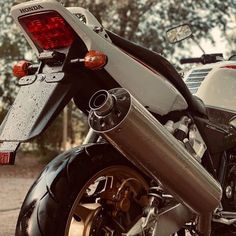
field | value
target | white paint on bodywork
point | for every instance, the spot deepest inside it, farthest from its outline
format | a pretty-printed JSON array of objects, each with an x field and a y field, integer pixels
[{"x": 219, "y": 86}]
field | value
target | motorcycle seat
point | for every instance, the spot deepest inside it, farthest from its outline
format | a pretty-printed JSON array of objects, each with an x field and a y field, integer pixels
[{"x": 161, "y": 65}]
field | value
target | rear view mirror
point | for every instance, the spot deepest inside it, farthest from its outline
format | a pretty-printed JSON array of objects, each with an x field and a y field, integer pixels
[{"x": 178, "y": 33}]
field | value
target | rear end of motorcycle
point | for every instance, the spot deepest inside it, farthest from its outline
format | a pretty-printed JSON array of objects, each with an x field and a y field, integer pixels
[{"x": 136, "y": 178}]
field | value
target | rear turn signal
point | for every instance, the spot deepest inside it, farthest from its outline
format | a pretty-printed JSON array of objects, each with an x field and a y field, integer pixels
[
  {"x": 21, "y": 69},
  {"x": 95, "y": 60}
]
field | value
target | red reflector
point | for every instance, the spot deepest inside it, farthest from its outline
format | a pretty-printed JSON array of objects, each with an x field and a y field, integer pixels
[
  {"x": 230, "y": 67},
  {"x": 95, "y": 60},
  {"x": 21, "y": 69},
  {"x": 48, "y": 30},
  {"x": 7, "y": 158}
]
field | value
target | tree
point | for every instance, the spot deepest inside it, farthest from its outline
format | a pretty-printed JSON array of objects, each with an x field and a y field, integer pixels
[
  {"x": 12, "y": 48},
  {"x": 231, "y": 38},
  {"x": 145, "y": 22}
]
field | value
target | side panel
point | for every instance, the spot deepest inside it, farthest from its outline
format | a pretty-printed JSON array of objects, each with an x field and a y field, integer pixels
[
  {"x": 218, "y": 89},
  {"x": 151, "y": 89}
]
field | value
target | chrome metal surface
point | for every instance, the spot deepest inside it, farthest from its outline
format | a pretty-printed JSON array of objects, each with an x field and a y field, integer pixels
[
  {"x": 225, "y": 217},
  {"x": 228, "y": 214},
  {"x": 101, "y": 102},
  {"x": 91, "y": 137},
  {"x": 225, "y": 221},
  {"x": 171, "y": 220},
  {"x": 167, "y": 222},
  {"x": 146, "y": 143},
  {"x": 229, "y": 192}
]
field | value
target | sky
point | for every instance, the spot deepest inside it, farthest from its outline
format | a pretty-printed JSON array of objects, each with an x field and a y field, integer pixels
[{"x": 218, "y": 47}]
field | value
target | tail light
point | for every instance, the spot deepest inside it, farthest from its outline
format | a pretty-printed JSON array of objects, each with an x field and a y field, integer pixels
[{"x": 48, "y": 30}]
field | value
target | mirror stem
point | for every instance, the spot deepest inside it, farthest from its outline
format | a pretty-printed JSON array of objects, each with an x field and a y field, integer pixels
[{"x": 195, "y": 41}]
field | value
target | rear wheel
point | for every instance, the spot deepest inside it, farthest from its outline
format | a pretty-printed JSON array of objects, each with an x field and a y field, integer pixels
[
  {"x": 109, "y": 203},
  {"x": 87, "y": 192}
]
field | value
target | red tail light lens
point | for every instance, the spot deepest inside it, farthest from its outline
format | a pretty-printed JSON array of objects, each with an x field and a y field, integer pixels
[{"x": 48, "y": 30}]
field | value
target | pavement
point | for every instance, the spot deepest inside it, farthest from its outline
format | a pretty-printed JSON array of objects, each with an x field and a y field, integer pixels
[
  {"x": 15, "y": 182},
  {"x": 12, "y": 194}
]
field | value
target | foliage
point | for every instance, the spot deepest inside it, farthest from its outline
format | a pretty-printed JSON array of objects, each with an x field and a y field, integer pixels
[
  {"x": 12, "y": 48},
  {"x": 145, "y": 21},
  {"x": 231, "y": 37}
]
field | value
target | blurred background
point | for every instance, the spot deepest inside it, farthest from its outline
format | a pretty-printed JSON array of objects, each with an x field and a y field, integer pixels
[{"x": 141, "y": 21}]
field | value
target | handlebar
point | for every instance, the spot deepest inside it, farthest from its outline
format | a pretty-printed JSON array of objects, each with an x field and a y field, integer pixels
[
  {"x": 191, "y": 60},
  {"x": 204, "y": 59}
]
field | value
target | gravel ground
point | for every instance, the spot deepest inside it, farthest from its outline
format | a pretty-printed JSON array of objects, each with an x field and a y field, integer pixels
[{"x": 14, "y": 184}]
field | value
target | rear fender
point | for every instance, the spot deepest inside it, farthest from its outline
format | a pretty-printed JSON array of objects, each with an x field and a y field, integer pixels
[{"x": 38, "y": 103}]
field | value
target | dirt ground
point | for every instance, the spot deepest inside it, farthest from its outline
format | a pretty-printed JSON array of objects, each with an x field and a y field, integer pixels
[{"x": 14, "y": 184}]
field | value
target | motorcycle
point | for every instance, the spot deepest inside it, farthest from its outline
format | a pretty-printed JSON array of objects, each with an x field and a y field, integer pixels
[{"x": 152, "y": 162}]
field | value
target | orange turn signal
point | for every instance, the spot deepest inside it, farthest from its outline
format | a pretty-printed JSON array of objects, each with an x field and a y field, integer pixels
[
  {"x": 95, "y": 60},
  {"x": 21, "y": 69}
]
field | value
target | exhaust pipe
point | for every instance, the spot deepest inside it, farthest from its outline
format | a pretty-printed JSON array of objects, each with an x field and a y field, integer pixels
[{"x": 130, "y": 128}]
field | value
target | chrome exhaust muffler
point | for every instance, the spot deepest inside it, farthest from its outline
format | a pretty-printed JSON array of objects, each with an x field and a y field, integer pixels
[{"x": 132, "y": 129}]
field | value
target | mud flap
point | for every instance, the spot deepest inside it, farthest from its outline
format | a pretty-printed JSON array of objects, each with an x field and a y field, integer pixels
[{"x": 40, "y": 99}]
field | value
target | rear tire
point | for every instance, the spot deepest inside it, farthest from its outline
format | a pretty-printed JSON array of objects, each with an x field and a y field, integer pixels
[{"x": 60, "y": 189}]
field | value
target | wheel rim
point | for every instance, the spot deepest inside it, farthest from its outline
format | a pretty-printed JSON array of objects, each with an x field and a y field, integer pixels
[{"x": 109, "y": 204}]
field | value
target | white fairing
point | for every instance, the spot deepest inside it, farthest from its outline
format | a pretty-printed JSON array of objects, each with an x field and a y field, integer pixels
[
  {"x": 218, "y": 86},
  {"x": 151, "y": 89}
]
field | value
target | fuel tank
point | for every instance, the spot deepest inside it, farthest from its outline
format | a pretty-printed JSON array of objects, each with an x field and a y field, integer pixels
[{"x": 215, "y": 85}]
